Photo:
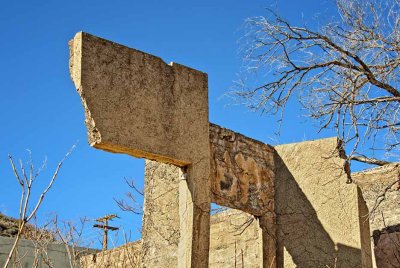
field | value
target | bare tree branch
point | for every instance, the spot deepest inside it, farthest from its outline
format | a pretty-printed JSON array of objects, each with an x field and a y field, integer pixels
[
  {"x": 346, "y": 74},
  {"x": 364, "y": 159}
]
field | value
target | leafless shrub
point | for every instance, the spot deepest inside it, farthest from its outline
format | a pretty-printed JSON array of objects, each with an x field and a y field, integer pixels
[
  {"x": 71, "y": 236},
  {"x": 26, "y": 178},
  {"x": 42, "y": 237}
]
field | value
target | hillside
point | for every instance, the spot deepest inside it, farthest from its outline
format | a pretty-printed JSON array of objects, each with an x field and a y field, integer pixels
[{"x": 9, "y": 228}]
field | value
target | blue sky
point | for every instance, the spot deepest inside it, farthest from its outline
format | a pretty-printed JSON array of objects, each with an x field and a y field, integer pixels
[{"x": 40, "y": 110}]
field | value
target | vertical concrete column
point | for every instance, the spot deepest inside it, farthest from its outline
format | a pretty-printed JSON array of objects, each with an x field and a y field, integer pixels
[
  {"x": 194, "y": 214},
  {"x": 267, "y": 225}
]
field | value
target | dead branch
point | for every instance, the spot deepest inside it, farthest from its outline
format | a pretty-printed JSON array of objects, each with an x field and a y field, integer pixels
[{"x": 368, "y": 160}]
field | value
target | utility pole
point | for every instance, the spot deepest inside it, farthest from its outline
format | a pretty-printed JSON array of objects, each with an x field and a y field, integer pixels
[{"x": 106, "y": 227}]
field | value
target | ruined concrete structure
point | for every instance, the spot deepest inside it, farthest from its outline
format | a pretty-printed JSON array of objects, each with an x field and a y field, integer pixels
[
  {"x": 315, "y": 225},
  {"x": 232, "y": 244},
  {"x": 305, "y": 213}
]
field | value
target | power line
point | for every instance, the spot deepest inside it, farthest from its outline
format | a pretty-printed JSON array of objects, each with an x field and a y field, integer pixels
[{"x": 106, "y": 227}]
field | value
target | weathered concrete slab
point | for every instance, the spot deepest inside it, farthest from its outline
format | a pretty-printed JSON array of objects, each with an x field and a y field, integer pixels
[
  {"x": 138, "y": 105},
  {"x": 319, "y": 216}
]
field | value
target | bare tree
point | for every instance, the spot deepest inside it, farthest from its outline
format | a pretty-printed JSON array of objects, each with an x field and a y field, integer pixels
[
  {"x": 345, "y": 74},
  {"x": 26, "y": 179}
]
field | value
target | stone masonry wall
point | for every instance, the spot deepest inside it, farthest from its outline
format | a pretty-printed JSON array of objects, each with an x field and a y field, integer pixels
[
  {"x": 242, "y": 172},
  {"x": 124, "y": 256},
  {"x": 235, "y": 240}
]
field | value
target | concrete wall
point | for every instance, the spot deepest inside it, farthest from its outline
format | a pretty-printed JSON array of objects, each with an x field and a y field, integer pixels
[
  {"x": 57, "y": 253},
  {"x": 318, "y": 214},
  {"x": 161, "y": 226},
  {"x": 381, "y": 188}
]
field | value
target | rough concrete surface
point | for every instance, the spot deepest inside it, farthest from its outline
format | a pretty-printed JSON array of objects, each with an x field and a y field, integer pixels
[
  {"x": 318, "y": 218},
  {"x": 137, "y": 104},
  {"x": 160, "y": 226},
  {"x": 248, "y": 164}
]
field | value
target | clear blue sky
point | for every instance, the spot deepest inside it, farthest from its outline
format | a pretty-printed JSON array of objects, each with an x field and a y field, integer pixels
[{"x": 40, "y": 110}]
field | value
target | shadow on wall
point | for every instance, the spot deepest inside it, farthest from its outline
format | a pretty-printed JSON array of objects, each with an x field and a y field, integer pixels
[
  {"x": 387, "y": 246},
  {"x": 302, "y": 239}
]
